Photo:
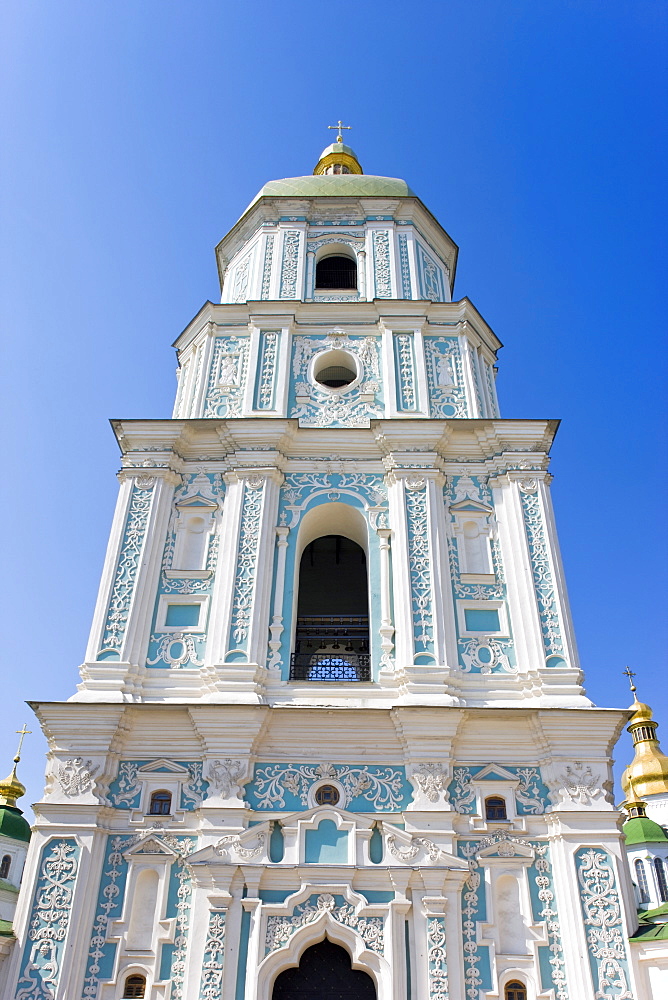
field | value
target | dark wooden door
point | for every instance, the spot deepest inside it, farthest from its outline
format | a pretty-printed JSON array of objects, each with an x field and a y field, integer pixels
[{"x": 324, "y": 973}]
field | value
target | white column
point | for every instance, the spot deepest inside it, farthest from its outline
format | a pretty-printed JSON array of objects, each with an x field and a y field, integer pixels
[
  {"x": 148, "y": 577},
  {"x": 259, "y": 625},
  {"x": 401, "y": 579},
  {"x": 109, "y": 569},
  {"x": 310, "y": 275},
  {"x": 276, "y": 627},
  {"x": 386, "y": 626},
  {"x": 469, "y": 376},
  {"x": 361, "y": 273}
]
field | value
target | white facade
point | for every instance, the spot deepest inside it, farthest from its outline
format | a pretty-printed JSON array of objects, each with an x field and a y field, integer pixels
[{"x": 447, "y": 817}]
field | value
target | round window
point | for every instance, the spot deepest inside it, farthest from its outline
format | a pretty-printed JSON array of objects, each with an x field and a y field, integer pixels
[
  {"x": 327, "y": 795},
  {"x": 335, "y": 369}
]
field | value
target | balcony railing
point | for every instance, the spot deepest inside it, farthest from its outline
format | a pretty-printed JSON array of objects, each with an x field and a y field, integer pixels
[
  {"x": 331, "y": 648},
  {"x": 330, "y": 667}
]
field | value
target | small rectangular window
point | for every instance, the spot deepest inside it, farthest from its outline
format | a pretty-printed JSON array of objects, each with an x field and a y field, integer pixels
[
  {"x": 479, "y": 620},
  {"x": 182, "y": 615}
]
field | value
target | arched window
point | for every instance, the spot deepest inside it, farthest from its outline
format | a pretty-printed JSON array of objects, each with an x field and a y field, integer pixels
[
  {"x": 135, "y": 986},
  {"x": 641, "y": 877},
  {"x": 5, "y": 865},
  {"x": 336, "y": 271},
  {"x": 515, "y": 991},
  {"x": 660, "y": 870},
  {"x": 161, "y": 803},
  {"x": 332, "y": 639},
  {"x": 495, "y": 808}
]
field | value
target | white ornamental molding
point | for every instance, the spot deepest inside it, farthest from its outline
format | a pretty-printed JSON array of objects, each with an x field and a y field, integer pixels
[
  {"x": 233, "y": 844},
  {"x": 410, "y": 851},
  {"x": 580, "y": 783},
  {"x": 224, "y": 777},
  {"x": 75, "y": 776},
  {"x": 432, "y": 780}
]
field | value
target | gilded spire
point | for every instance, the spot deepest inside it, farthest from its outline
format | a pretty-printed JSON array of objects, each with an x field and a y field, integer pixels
[
  {"x": 11, "y": 788},
  {"x": 648, "y": 772}
]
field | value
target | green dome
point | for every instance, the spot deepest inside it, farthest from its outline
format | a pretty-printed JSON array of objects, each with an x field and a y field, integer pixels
[
  {"x": 337, "y": 186},
  {"x": 641, "y": 830},
  {"x": 13, "y": 824}
]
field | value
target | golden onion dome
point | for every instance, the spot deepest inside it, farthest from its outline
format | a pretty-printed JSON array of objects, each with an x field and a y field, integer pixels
[
  {"x": 648, "y": 772},
  {"x": 11, "y": 789},
  {"x": 641, "y": 712}
]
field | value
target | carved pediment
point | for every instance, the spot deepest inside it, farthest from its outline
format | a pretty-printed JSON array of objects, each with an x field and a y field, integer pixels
[
  {"x": 472, "y": 506},
  {"x": 151, "y": 845},
  {"x": 504, "y": 845},
  {"x": 494, "y": 772},
  {"x": 196, "y": 501},
  {"x": 163, "y": 766}
]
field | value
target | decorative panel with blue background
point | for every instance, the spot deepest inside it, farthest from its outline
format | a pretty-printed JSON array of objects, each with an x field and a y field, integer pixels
[
  {"x": 315, "y": 405},
  {"x": 173, "y": 956},
  {"x": 445, "y": 377},
  {"x": 125, "y": 790},
  {"x": 531, "y": 794},
  {"x": 604, "y": 924},
  {"x": 111, "y": 894},
  {"x": 369, "y": 787},
  {"x": 483, "y": 654},
  {"x": 50, "y": 915},
  {"x": 226, "y": 378},
  {"x": 185, "y": 649},
  {"x": 430, "y": 276},
  {"x": 126, "y": 570}
]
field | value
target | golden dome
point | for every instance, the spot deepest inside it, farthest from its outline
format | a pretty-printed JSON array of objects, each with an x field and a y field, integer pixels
[
  {"x": 338, "y": 159},
  {"x": 641, "y": 711},
  {"x": 648, "y": 772},
  {"x": 11, "y": 789}
]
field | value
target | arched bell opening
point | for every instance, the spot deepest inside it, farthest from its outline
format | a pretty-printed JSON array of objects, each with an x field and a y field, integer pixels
[
  {"x": 324, "y": 971},
  {"x": 336, "y": 270},
  {"x": 332, "y": 632}
]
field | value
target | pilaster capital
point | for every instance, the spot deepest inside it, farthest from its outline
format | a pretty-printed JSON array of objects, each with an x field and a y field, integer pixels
[{"x": 146, "y": 477}]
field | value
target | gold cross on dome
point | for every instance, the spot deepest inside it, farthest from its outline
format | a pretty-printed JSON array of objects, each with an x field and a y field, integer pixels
[
  {"x": 339, "y": 125},
  {"x": 630, "y": 674},
  {"x": 21, "y": 732}
]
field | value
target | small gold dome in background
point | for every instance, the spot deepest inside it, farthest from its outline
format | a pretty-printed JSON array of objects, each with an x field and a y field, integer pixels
[
  {"x": 648, "y": 772},
  {"x": 11, "y": 789}
]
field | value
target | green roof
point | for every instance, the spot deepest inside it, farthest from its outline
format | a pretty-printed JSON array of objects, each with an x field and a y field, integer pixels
[
  {"x": 12, "y": 824},
  {"x": 6, "y": 929},
  {"x": 642, "y": 830},
  {"x": 336, "y": 186},
  {"x": 653, "y": 925}
]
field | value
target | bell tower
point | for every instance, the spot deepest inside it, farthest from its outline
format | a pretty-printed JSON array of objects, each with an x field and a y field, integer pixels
[{"x": 331, "y": 691}]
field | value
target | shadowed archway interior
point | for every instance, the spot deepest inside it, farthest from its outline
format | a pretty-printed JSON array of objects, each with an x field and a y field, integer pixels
[
  {"x": 324, "y": 973},
  {"x": 332, "y": 638}
]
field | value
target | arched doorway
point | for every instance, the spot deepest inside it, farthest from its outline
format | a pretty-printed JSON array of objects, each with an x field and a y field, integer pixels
[
  {"x": 332, "y": 637},
  {"x": 324, "y": 973}
]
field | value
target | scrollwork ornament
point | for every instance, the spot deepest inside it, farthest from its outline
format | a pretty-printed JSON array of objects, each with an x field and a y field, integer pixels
[
  {"x": 233, "y": 843},
  {"x": 280, "y": 929},
  {"x": 410, "y": 851},
  {"x": 211, "y": 985},
  {"x": 601, "y": 910},
  {"x": 437, "y": 959},
  {"x": 49, "y": 921}
]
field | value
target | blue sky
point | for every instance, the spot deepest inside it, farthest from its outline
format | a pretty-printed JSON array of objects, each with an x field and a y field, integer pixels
[{"x": 535, "y": 132}]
